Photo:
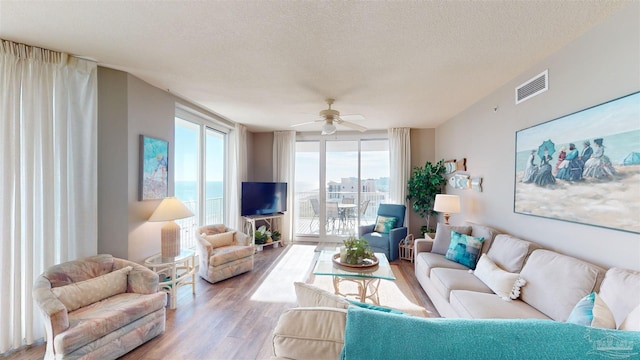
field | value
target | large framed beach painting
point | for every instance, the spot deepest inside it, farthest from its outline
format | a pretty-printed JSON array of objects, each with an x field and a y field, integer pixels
[
  {"x": 583, "y": 167},
  {"x": 154, "y": 169}
]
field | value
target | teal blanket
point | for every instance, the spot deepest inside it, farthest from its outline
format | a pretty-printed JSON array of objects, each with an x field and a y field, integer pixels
[{"x": 378, "y": 335}]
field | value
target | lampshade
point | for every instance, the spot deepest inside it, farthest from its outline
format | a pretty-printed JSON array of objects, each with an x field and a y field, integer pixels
[
  {"x": 170, "y": 209},
  {"x": 447, "y": 204},
  {"x": 328, "y": 129}
]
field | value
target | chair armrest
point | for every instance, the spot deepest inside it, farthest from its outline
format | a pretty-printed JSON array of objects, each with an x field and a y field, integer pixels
[
  {"x": 422, "y": 245},
  {"x": 141, "y": 280},
  {"x": 204, "y": 252},
  {"x": 395, "y": 236},
  {"x": 56, "y": 316},
  {"x": 365, "y": 229}
]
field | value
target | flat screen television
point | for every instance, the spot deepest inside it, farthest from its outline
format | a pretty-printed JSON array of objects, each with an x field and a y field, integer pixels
[{"x": 263, "y": 198}]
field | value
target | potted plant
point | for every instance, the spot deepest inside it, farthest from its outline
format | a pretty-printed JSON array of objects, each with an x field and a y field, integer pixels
[
  {"x": 275, "y": 235},
  {"x": 355, "y": 251},
  {"x": 262, "y": 235},
  {"x": 423, "y": 185}
]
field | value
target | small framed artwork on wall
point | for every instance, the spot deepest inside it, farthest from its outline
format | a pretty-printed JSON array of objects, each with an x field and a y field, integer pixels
[{"x": 153, "y": 174}]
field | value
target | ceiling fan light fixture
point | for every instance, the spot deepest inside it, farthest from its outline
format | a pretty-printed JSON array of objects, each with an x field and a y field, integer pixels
[{"x": 328, "y": 129}]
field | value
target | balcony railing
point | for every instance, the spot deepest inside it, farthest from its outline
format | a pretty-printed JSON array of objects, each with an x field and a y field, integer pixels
[
  {"x": 189, "y": 226},
  {"x": 307, "y": 221}
]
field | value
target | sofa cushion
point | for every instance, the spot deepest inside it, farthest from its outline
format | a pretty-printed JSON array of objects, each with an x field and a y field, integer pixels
[
  {"x": 384, "y": 224},
  {"x": 443, "y": 237},
  {"x": 101, "y": 318},
  {"x": 428, "y": 261},
  {"x": 464, "y": 249},
  {"x": 478, "y": 305},
  {"x": 227, "y": 254},
  {"x": 620, "y": 290},
  {"x": 221, "y": 239},
  {"x": 87, "y": 292},
  {"x": 445, "y": 280},
  {"x": 310, "y": 333},
  {"x": 555, "y": 282},
  {"x": 632, "y": 321},
  {"x": 311, "y": 296},
  {"x": 592, "y": 311},
  {"x": 509, "y": 252},
  {"x": 505, "y": 284},
  {"x": 483, "y": 231}
]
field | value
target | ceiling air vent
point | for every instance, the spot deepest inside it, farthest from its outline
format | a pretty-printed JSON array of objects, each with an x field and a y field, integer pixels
[{"x": 537, "y": 85}]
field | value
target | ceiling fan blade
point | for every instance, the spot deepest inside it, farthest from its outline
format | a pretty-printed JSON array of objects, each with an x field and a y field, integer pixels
[
  {"x": 307, "y": 123},
  {"x": 353, "y": 126},
  {"x": 352, "y": 117}
]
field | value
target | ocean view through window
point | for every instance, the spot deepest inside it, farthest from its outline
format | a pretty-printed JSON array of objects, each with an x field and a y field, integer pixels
[{"x": 199, "y": 174}]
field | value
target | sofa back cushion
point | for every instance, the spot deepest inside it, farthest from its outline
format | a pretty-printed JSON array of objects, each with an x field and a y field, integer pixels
[
  {"x": 509, "y": 252},
  {"x": 443, "y": 237},
  {"x": 620, "y": 290},
  {"x": 79, "y": 270},
  {"x": 311, "y": 296},
  {"x": 555, "y": 282},
  {"x": 486, "y": 232},
  {"x": 87, "y": 292}
]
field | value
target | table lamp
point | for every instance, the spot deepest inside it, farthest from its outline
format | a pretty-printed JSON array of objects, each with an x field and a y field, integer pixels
[
  {"x": 447, "y": 204},
  {"x": 170, "y": 209}
]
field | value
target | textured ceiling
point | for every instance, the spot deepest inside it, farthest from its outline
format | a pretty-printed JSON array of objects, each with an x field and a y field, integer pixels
[{"x": 271, "y": 64}]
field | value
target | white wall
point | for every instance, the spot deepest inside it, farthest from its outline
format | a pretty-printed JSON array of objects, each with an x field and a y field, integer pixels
[{"x": 601, "y": 65}]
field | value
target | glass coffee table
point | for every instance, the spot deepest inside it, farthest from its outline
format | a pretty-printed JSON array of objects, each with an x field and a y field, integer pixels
[{"x": 366, "y": 279}]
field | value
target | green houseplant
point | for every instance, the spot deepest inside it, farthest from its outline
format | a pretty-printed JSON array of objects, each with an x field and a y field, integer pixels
[
  {"x": 262, "y": 235},
  {"x": 423, "y": 185},
  {"x": 356, "y": 251}
]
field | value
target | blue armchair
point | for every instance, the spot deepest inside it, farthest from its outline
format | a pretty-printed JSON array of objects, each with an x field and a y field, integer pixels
[{"x": 386, "y": 243}]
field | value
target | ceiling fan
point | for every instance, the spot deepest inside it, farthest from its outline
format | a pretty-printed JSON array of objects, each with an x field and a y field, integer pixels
[{"x": 330, "y": 117}]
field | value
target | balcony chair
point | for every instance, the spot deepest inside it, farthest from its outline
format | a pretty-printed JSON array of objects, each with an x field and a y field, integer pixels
[
  {"x": 388, "y": 230},
  {"x": 223, "y": 253}
]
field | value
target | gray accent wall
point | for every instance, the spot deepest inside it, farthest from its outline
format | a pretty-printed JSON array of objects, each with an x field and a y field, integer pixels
[{"x": 601, "y": 65}]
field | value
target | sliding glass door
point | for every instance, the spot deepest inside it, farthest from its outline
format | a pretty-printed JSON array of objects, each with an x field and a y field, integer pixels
[{"x": 354, "y": 173}]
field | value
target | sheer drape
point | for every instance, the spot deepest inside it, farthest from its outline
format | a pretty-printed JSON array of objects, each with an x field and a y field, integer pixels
[
  {"x": 238, "y": 172},
  {"x": 48, "y": 176},
  {"x": 284, "y": 148},
  {"x": 400, "y": 163}
]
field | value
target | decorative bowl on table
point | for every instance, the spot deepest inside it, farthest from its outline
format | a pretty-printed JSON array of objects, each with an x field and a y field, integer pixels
[{"x": 364, "y": 263}]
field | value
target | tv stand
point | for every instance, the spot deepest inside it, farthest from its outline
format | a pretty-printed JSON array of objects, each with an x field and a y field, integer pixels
[{"x": 271, "y": 222}]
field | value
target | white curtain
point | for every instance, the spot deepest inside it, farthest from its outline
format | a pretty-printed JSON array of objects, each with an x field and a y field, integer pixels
[
  {"x": 238, "y": 172},
  {"x": 400, "y": 163},
  {"x": 48, "y": 176},
  {"x": 284, "y": 149}
]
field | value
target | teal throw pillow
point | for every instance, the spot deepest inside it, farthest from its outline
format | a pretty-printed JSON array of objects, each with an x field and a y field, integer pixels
[
  {"x": 464, "y": 249},
  {"x": 384, "y": 224},
  {"x": 592, "y": 311}
]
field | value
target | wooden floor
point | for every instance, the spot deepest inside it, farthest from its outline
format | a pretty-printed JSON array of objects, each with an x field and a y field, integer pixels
[{"x": 222, "y": 321}]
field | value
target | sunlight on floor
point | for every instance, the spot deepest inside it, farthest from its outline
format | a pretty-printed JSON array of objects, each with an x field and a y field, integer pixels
[{"x": 292, "y": 267}]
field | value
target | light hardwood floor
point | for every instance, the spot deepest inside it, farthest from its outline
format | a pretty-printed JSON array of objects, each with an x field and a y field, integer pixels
[{"x": 222, "y": 321}]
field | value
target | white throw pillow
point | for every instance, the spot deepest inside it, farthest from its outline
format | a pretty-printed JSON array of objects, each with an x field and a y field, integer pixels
[
  {"x": 503, "y": 283},
  {"x": 632, "y": 321},
  {"x": 87, "y": 292}
]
